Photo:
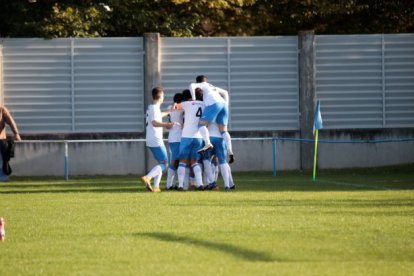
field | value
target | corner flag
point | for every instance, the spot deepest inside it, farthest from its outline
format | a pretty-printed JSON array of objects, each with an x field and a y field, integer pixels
[
  {"x": 317, "y": 124},
  {"x": 317, "y": 121}
]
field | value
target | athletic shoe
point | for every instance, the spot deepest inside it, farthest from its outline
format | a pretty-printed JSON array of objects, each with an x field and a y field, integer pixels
[
  {"x": 231, "y": 158},
  {"x": 205, "y": 148},
  {"x": 211, "y": 186},
  {"x": 200, "y": 188},
  {"x": 156, "y": 190},
  {"x": 180, "y": 189},
  {"x": 227, "y": 189},
  {"x": 147, "y": 182},
  {"x": 233, "y": 187},
  {"x": 172, "y": 188}
]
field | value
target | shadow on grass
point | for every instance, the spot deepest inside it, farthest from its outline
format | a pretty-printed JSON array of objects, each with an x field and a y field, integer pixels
[
  {"x": 237, "y": 251},
  {"x": 80, "y": 186}
]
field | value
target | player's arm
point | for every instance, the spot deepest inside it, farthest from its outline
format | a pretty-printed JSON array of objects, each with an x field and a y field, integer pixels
[
  {"x": 156, "y": 123},
  {"x": 192, "y": 88},
  {"x": 224, "y": 94}
]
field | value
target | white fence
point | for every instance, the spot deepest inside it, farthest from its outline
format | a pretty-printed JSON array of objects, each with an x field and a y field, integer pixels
[{"x": 97, "y": 85}]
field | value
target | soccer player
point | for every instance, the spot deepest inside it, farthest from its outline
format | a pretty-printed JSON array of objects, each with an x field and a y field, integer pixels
[
  {"x": 191, "y": 141},
  {"x": 154, "y": 140},
  {"x": 174, "y": 138},
  {"x": 216, "y": 101},
  {"x": 219, "y": 150}
]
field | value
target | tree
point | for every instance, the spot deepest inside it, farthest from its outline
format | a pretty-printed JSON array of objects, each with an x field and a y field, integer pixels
[{"x": 91, "y": 18}]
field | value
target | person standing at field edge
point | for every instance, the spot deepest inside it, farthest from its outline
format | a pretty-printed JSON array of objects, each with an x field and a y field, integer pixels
[
  {"x": 6, "y": 118},
  {"x": 154, "y": 140}
]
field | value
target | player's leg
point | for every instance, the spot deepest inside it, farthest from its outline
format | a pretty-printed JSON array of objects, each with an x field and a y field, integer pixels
[
  {"x": 160, "y": 154},
  {"x": 185, "y": 150},
  {"x": 221, "y": 153},
  {"x": 222, "y": 121},
  {"x": 172, "y": 168},
  {"x": 209, "y": 115},
  {"x": 208, "y": 170},
  {"x": 196, "y": 145}
]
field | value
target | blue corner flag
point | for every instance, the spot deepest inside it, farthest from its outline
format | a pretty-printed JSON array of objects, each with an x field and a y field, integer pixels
[{"x": 317, "y": 123}]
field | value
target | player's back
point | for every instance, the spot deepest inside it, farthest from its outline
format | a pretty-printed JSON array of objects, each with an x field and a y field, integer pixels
[
  {"x": 210, "y": 93},
  {"x": 176, "y": 116},
  {"x": 193, "y": 110},
  {"x": 153, "y": 134}
]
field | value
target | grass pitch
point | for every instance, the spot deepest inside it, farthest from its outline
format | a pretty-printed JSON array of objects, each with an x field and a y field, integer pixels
[{"x": 353, "y": 222}]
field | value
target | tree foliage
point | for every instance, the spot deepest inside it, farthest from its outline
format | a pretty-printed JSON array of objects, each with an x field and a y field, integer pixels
[{"x": 89, "y": 18}]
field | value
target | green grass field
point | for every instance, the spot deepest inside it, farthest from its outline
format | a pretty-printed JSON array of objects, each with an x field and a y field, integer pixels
[{"x": 350, "y": 222}]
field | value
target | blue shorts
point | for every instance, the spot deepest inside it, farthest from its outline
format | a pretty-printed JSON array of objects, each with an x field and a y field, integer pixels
[
  {"x": 219, "y": 150},
  {"x": 160, "y": 154},
  {"x": 174, "y": 150},
  {"x": 189, "y": 148},
  {"x": 218, "y": 112}
]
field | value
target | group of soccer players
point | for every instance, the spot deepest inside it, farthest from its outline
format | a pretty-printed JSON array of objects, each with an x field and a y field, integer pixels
[{"x": 198, "y": 139}]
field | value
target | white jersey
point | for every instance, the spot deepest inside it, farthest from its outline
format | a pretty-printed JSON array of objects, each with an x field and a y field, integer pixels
[
  {"x": 154, "y": 134},
  {"x": 211, "y": 93},
  {"x": 176, "y": 116},
  {"x": 193, "y": 110},
  {"x": 214, "y": 130}
]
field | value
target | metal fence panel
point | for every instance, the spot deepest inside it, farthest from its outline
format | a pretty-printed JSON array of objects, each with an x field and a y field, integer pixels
[
  {"x": 349, "y": 80},
  {"x": 74, "y": 85},
  {"x": 260, "y": 73},
  {"x": 37, "y": 83},
  {"x": 399, "y": 80},
  {"x": 109, "y": 81},
  {"x": 365, "y": 81}
]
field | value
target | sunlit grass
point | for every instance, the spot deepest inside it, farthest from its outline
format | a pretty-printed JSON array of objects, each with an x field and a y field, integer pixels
[{"x": 354, "y": 222}]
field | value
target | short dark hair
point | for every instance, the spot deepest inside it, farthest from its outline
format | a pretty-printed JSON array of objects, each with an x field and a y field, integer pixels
[
  {"x": 178, "y": 98},
  {"x": 156, "y": 92},
  {"x": 199, "y": 94},
  {"x": 201, "y": 78},
  {"x": 186, "y": 95}
]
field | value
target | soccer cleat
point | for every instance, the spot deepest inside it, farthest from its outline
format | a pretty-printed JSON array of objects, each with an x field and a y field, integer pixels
[
  {"x": 231, "y": 158},
  {"x": 205, "y": 148},
  {"x": 212, "y": 186},
  {"x": 180, "y": 189},
  {"x": 147, "y": 182},
  {"x": 172, "y": 188},
  {"x": 156, "y": 190},
  {"x": 233, "y": 187},
  {"x": 200, "y": 188}
]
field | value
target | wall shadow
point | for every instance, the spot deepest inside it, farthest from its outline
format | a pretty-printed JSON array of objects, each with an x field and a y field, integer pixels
[{"x": 236, "y": 251}]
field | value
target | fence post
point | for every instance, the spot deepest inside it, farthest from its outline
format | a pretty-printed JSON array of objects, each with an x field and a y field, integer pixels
[
  {"x": 152, "y": 73},
  {"x": 307, "y": 87},
  {"x": 1, "y": 73}
]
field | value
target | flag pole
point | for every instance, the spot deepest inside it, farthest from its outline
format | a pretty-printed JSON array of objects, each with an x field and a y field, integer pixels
[{"x": 315, "y": 154}]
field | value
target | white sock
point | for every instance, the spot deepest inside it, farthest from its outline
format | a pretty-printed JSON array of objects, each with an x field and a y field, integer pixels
[
  {"x": 208, "y": 171},
  {"x": 231, "y": 182},
  {"x": 197, "y": 175},
  {"x": 157, "y": 180},
  {"x": 227, "y": 141},
  {"x": 225, "y": 173},
  {"x": 181, "y": 176},
  {"x": 205, "y": 134},
  {"x": 155, "y": 171},
  {"x": 170, "y": 177},
  {"x": 186, "y": 178},
  {"x": 216, "y": 172}
]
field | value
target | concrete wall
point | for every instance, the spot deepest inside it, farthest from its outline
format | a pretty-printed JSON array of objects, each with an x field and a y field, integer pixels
[{"x": 112, "y": 157}]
